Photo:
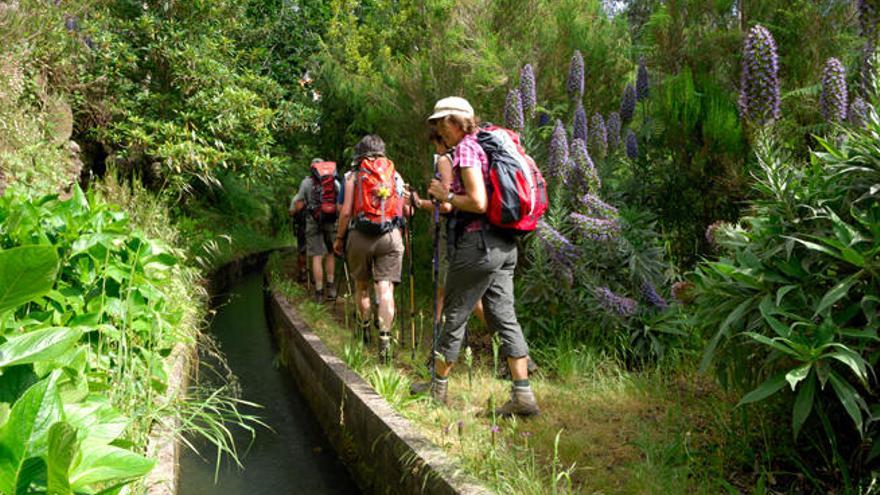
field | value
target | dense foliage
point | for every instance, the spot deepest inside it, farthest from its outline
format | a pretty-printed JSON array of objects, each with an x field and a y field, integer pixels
[{"x": 87, "y": 319}]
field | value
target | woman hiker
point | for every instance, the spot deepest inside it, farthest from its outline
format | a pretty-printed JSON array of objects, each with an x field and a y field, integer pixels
[
  {"x": 443, "y": 167},
  {"x": 481, "y": 263},
  {"x": 373, "y": 205}
]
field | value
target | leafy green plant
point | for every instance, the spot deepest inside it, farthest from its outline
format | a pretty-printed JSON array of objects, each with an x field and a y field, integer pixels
[
  {"x": 391, "y": 385},
  {"x": 798, "y": 282}
]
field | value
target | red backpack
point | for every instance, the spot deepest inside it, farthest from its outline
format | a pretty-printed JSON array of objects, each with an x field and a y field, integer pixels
[
  {"x": 378, "y": 208},
  {"x": 516, "y": 189},
  {"x": 325, "y": 190}
]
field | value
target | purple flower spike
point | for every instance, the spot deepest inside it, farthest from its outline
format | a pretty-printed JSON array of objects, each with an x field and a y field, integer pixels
[
  {"x": 596, "y": 229},
  {"x": 643, "y": 86},
  {"x": 612, "y": 128},
  {"x": 576, "y": 76},
  {"x": 834, "y": 98},
  {"x": 632, "y": 145},
  {"x": 628, "y": 104},
  {"x": 562, "y": 252},
  {"x": 579, "y": 126},
  {"x": 759, "y": 82},
  {"x": 595, "y": 207},
  {"x": 858, "y": 112},
  {"x": 614, "y": 304},
  {"x": 527, "y": 89},
  {"x": 584, "y": 174},
  {"x": 558, "y": 151},
  {"x": 513, "y": 111},
  {"x": 650, "y": 294},
  {"x": 598, "y": 137}
]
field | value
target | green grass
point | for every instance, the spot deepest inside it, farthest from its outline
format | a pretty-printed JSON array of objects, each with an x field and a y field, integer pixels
[{"x": 603, "y": 429}]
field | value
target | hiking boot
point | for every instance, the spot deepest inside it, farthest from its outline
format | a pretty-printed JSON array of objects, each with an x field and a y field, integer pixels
[
  {"x": 437, "y": 389},
  {"x": 522, "y": 403},
  {"x": 303, "y": 275},
  {"x": 364, "y": 332},
  {"x": 384, "y": 347},
  {"x": 331, "y": 291},
  {"x": 319, "y": 295}
]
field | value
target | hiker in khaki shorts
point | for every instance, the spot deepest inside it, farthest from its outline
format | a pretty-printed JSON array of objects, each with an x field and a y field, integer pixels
[
  {"x": 373, "y": 206},
  {"x": 317, "y": 196}
]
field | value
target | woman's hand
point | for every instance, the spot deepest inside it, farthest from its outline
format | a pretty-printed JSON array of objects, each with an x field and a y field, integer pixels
[{"x": 438, "y": 190}]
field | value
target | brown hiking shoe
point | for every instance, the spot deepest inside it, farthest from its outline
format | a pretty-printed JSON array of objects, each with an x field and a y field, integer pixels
[
  {"x": 522, "y": 403},
  {"x": 437, "y": 388}
]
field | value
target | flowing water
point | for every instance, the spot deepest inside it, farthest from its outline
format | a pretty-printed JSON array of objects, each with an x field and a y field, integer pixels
[{"x": 295, "y": 458}]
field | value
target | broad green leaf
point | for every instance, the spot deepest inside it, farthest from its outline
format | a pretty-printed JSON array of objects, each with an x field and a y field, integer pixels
[
  {"x": 96, "y": 418},
  {"x": 15, "y": 381},
  {"x": 835, "y": 294},
  {"x": 847, "y": 396},
  {"x": 764, "y": 390},
  {"x": 26, "y": 273},
  {"x": 850, "y": 358},
  {"x": 767, "y": 312},
  {"x": 781, "y": 293},
  {"x": 26, "y": 433},
  {"x": 733, "y": 317},
  {"x": 803, "y": 404},
  {"x": 796, "y": 375},
  {"x": 774, "y": 343},
  {"x": 106, "y": 463},
  {"x": 38, "y": 345},
  {"x": 62, "y": 448}
]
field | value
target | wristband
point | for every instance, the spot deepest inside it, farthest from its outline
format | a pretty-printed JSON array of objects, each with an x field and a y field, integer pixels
[{"x": 450, "y": 197}]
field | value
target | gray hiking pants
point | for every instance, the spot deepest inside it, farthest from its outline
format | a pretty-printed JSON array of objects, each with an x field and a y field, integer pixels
[{"x": 481, "y": 266}]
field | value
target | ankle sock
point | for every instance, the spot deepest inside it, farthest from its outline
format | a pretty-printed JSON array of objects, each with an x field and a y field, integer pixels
[
  {"x": 319, "y": 287},
  {"x": 522, "y": 383},
  {"x": 441, "y": 379}
]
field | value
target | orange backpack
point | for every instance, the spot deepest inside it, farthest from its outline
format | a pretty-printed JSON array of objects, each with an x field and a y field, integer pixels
[{"x": 378, "y": 208}]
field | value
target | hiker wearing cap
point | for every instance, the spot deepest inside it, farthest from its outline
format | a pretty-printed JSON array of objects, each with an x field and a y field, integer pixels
[
  {"x": 370, "y": 218},
  {"x": 482, "y": 259},
  {"x": 317, "y": 197},
  {"x": 443, "y": 168}
]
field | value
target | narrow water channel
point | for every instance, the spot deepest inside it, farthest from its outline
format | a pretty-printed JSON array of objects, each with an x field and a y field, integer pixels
[{"x": 295, "y": 458}]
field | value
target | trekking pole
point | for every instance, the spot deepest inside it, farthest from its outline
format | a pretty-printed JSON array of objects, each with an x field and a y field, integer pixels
[
  {"x": 349, "y": 300},
  {"x": 412, "y": 289},
  {"x": 436, "y": 272}
]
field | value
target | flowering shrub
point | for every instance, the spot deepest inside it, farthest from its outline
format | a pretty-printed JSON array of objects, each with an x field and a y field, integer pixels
[
  {"x": 643, "y": 85},
  {"x": 632, "y": 145},
  {"x": 628, "y": 104},
  {"x": 558, "y": 160},
  {"x": 527, "y": 90},
  {"x": 598, "y": 137},
  {"x": 579, "y": 125},
  {"x": 513, "y": 111},
  {"x": 575, "y": 84},
  {"x": 834, "y": 99},
  {"x": 759, "y": 80}
]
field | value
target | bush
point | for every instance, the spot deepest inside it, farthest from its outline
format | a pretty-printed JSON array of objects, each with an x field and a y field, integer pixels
[{"x": 790, "y": 308}]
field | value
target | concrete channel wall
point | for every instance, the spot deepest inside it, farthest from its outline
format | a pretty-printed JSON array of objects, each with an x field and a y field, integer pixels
[{"x": 384, "y": 451}]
